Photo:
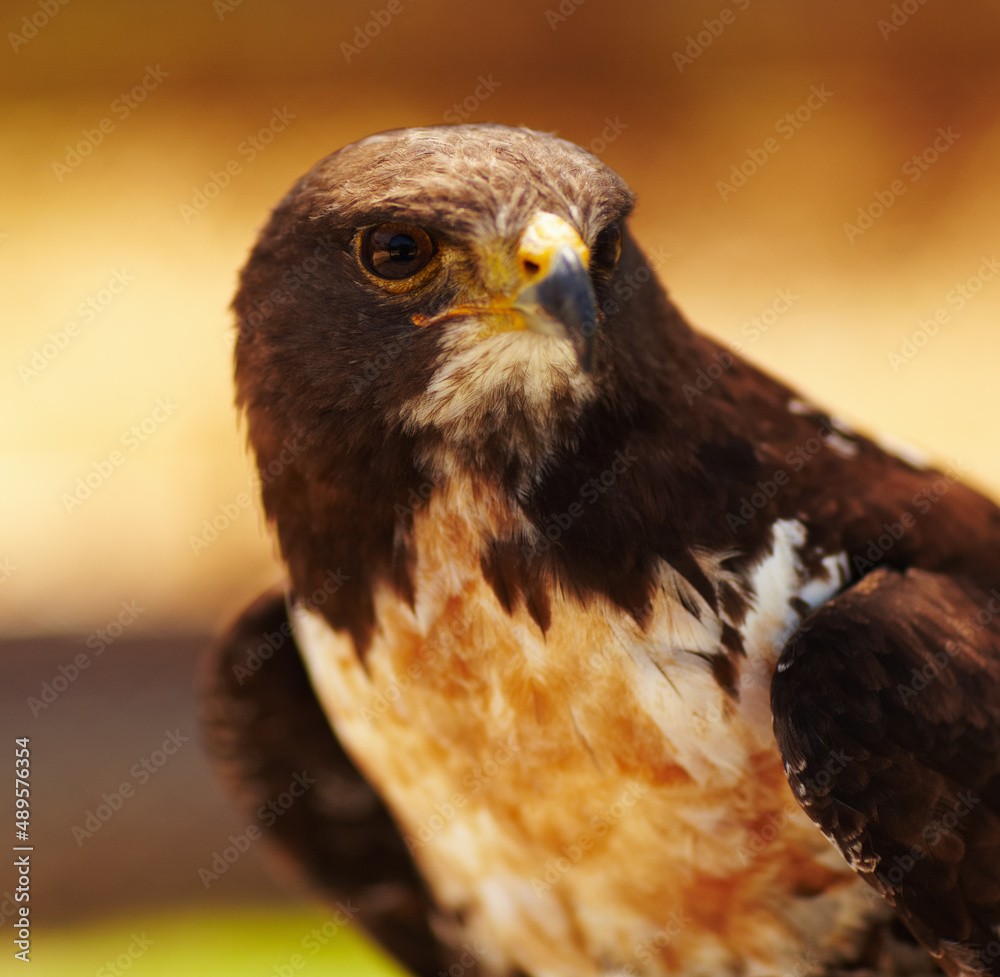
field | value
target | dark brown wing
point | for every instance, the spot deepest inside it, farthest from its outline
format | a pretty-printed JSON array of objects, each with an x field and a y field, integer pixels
[
  {"x": 887, "y": 713},
  {"x": 263, "y": 725}
]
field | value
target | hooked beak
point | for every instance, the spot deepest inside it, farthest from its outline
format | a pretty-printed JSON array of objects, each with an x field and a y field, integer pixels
[{"x": 556, "y": 297}]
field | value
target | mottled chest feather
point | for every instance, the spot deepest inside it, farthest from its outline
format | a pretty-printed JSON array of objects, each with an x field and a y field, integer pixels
[{"x": 578, "y": 791}]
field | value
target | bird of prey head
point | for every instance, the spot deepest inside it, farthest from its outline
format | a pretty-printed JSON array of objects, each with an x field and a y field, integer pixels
[
  {"x": 606, "y": 627},
  {"x": 465, "y": 309},
  {"x": 468, "y": 292}
]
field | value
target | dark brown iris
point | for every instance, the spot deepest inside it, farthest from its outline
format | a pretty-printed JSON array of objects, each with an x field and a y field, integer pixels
[{"x": 396, "y": 251}]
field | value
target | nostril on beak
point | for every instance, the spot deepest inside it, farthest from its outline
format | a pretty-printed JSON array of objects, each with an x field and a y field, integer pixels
[{"x": 531, "y": 268}]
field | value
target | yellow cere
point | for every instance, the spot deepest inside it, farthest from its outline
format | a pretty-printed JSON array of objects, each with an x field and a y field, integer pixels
[{"x": 542, "y": 238}]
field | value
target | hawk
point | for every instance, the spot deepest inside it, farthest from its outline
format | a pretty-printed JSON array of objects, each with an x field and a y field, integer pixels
[{"x": 595, "y": 635}]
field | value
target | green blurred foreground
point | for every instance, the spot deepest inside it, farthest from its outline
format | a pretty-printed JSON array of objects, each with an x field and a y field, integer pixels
[{"x": 239, "y": 943}]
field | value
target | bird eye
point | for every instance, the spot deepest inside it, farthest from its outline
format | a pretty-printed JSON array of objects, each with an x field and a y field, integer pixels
[
  {"x": 396, "y": 251},
  {"x": 607, "y": 250}
]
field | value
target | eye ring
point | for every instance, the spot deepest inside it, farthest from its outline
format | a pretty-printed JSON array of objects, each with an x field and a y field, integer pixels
[
  {"x": 395, "y": 252},
  {"x": 606, "y": 250}
]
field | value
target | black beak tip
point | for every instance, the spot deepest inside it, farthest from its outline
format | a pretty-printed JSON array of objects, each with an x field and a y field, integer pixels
[{"x": 566, "y": 294}]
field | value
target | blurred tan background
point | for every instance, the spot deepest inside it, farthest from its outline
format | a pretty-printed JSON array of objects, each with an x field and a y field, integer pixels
[{"x": 120, "y": 246}]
